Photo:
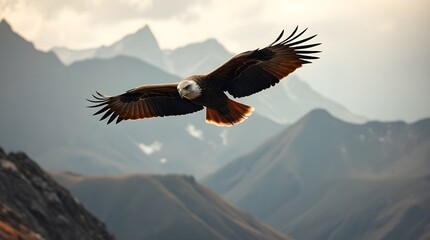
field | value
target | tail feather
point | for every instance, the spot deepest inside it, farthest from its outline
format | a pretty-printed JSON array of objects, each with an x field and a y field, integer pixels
[{"x": 235, "y": 114}]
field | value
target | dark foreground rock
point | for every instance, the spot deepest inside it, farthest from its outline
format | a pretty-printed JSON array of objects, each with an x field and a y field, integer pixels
[{"x": 34, "y": 206}]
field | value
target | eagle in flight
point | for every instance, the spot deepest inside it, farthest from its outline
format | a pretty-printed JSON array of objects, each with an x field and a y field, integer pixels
[{"x": 244, "y": 74}]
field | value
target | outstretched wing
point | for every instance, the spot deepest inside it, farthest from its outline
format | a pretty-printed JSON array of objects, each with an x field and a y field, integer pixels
[
  {"x": 253, "y": 71},
  {"x": 146, "y": 101}
]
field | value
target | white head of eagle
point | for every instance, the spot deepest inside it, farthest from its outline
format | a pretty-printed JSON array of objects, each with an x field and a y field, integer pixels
[{"x": 189, "y": 89}]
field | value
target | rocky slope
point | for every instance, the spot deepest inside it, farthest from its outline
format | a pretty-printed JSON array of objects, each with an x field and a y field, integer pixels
[{"x": 34, "y": 206}]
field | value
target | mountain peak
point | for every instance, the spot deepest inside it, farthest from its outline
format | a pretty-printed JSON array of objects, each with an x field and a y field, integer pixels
[
  {"x": 318, "y": 115},
  {"x": 5, "y": 25},
  {"x": 143, "y": 36},
  {"x": 212, "y": 41},
  {"x": 145, "y": 30},
  {"x": 6, "y": 32},
  {"x": 317, "y": 120}
]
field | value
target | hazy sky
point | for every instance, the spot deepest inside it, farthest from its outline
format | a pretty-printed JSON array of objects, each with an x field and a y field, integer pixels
[{"x": 375, "y": 58}]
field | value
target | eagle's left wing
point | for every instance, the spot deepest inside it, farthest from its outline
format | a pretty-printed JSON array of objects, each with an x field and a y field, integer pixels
[
  {"x": 250, "y": 72},
  {"x": 147, "y": 101}
]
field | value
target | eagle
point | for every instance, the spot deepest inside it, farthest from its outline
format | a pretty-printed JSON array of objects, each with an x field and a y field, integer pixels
[{"x": 243, "y": 75}]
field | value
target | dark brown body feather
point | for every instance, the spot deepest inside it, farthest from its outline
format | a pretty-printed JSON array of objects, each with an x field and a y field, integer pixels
[{"x": 243, "y": 75}]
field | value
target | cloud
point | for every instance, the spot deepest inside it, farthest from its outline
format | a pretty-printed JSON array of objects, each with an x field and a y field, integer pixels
[
  {"x": 49, "y": 8},
  {"x": 111, "y": 10},
  {"x": 6, "y": 3},
  {"x": 163, "y": 9},
  {"x": 194, "y": 132},
  {"x": 151, "y": 148}
]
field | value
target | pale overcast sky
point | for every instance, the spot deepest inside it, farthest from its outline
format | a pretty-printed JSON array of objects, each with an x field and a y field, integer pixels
[{"x": 375, "y": 58}]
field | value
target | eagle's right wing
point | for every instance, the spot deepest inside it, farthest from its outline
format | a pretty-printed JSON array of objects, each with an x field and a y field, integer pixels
[{"x": 146, "y": 101}]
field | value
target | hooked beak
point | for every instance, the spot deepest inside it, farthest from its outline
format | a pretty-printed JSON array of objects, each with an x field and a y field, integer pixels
[{"x": 182, "y": 92}]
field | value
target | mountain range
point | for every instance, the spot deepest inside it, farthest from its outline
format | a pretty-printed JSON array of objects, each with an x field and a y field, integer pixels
[
  {"x": 34, "y": 207},
  {"x": 163, "y": 207},
  {"x": 323, "y": 178},
  {"x": 141, "y": 45},
  {"x": 196, "y": 58}
]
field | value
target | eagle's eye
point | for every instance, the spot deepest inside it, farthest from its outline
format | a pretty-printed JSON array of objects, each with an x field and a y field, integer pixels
[{"x": 188, "y": 87}]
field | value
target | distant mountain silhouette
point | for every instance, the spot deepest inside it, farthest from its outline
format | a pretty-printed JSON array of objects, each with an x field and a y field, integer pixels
[
  {"x": 33, "y": 206},
  {"x": 284, "y": 104},
  {"x": 21, "y": 63},
  {"x": 184, "y": 61},
  {"x": 141, "y": 45},
  {"x": 163, "y": 207},
  {"x": 43, "y": 111},
  {"x": 323, "y": 178}
]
